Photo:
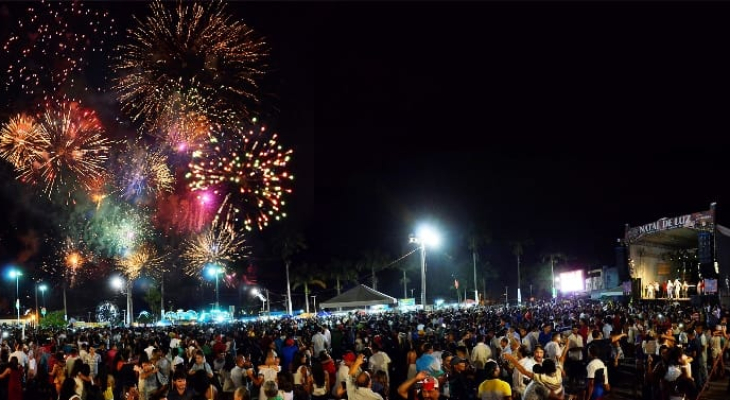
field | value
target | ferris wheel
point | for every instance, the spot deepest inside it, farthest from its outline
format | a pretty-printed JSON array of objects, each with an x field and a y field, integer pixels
[{"x": 108, "y": 312}]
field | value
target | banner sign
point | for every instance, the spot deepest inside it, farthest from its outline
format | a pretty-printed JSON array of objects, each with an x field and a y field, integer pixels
[
  {"x": 710, "y": 285},
  {"x": 411, "y": 302},
  {"x": 696, "y": 220}
]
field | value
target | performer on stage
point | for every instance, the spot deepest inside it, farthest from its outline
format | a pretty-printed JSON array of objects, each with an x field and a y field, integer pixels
[
  {"x": 685, "y": 289},
  {"x": 670, "y": 289},
  {"x": 677, "y": 288}
]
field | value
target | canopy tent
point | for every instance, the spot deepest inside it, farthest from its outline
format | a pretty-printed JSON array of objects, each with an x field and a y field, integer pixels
[
  {"x": 359, "y": 296},
  {"x": 617, "y": 291}
]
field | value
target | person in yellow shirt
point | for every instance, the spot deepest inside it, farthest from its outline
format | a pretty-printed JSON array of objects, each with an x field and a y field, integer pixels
[{"x": 494, "y": 388}]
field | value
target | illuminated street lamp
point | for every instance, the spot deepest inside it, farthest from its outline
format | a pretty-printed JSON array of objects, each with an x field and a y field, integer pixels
[
  {"x": 73, "y": 260},
  {"x": 14, "y": 273},
  {"x": 43, "y": 287},
  {"x": 213, "y": 271},
  {"x": 264, "y": 300},
  {"x": 425, "y": 236},
  {"x": 125, "y": 287}
]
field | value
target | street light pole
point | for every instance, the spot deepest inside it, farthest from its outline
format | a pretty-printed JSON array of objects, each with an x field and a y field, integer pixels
[
  {"x": 424, "y": 236},
  {"x": 552, "y": 272},
  {"x": 476, "y": 289},
  {"x": 17, "y": 274},
  {"x": 423, "y": 276},
  {"x": 37, "y": 314},
  {"x": 43, "y": 288},
  {"x": 217, "y": 296},
  {"x": 314, "y": 301}
]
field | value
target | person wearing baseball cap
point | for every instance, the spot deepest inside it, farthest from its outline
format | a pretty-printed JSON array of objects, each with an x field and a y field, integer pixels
[
  {"x": 343, "y": 372},
  {"x": 421, "y": 387}
]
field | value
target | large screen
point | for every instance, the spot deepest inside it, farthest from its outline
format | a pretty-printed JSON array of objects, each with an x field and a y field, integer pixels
[{"x": 571, "y": 282}]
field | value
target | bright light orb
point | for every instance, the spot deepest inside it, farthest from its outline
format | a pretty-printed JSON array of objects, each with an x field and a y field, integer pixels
[
  {"x": 428, "y": 236},
  {"x": 117, "y": 282}
]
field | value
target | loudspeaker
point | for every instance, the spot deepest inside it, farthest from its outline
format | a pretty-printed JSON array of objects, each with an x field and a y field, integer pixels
[
  {"x": 708, "y": 270},
  {"x": 622, "y": 265},
  {"x": 704, "y": 247}
]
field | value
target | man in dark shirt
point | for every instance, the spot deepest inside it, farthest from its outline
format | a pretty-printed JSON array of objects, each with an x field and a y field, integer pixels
[{"x": 180, "y": 389}]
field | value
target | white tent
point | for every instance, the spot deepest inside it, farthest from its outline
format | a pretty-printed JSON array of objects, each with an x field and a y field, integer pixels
[{"x": 359, "y": 296}]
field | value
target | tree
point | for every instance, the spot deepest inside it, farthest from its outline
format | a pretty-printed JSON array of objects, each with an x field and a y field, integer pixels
[
  {"x": 373, "y": 261},
  {"x": 153, "y": 297},
  {"x": 475, "y": 241},
  {"x": 286, "y": 245},
  {"x": 53, "y": 319},
  {"x": 518, "y": 249},
  {"x": 553, "y": 259},
  {"x": 341, "y": 271},
  {"x": 306, "y": 275}
]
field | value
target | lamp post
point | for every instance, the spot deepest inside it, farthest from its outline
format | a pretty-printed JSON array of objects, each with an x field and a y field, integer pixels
[
  {"x": 424, "y": 236},
  {"x": 14, "y": 273},
  {"x": 264, "y": 300},
  {"x": 214, "y": 270},
  {"x": 552, "y": 272},
  {"x": 314, "y": 302},
  {"x": 43, "y": 287},
  {"x": 73, "y": 260},
  {"x": 123, "y": 285}
]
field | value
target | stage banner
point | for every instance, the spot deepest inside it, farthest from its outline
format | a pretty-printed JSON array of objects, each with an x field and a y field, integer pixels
[{"x": 698, "y": 220}]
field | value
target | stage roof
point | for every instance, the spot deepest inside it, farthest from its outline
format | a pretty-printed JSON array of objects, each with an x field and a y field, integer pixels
[{"x": 676, "y": 238}]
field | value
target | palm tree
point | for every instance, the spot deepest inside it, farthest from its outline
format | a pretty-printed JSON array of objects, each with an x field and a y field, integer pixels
[
  {"x": 553, "y": 258},
  {"x": 341, "y": 271},
  {"x": 305, "y": 275},
  {"x": 373, "y": 261},
  {"x": 475, "y": 242},
  {"x": 518, "y": 249},
  {"x": 286, "y": 245},
  {"x": 407, "y": 263}
]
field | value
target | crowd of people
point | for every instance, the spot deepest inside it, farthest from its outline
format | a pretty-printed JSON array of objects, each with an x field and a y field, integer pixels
[{"x": 545, "y": 351}]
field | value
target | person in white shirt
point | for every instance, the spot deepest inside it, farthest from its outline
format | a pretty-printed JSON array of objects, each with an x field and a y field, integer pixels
[
  {"x": 519, "y": 381},
  {"x": 575, "y": 355},
  {"x": 20, "y": 355},
  {"x": 480, "y": 354},
  {"x": 597, "y": 375},
  {"x": 553, "y": 350},
  {"x": 379, "y": 361},
  {"x": 319, "y": 341}
]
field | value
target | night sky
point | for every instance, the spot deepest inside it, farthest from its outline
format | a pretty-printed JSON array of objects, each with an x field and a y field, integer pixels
[{"x": 559, "y": 123}]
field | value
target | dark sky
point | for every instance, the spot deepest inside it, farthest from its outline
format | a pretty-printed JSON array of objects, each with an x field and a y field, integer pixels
[{"x": 558, "y": 122}]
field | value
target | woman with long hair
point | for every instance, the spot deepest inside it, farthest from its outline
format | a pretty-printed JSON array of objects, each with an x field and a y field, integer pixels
[
  {"x": 59, "y": 371},
  {"x": 147, "y": 376},
  {"x": 302, "y": 376},
  {"x": 14, "y": 373},
  {"x": 68, "y": 390},
  {"x": 320, "y": 382}
]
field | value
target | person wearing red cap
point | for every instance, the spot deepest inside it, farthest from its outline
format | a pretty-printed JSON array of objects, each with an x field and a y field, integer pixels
[
  {"x": 420, "y": 387},
  {"x": 343, "y": 373}
]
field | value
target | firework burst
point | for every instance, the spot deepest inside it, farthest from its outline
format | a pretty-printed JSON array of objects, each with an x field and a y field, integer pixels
[
  {"x": 255, "y": 173},
  {"x": 22, "y": 142},
  {"x": 221, "y": 244},
  {"x": 145, "y": 257},
  {"x": 53, "y": 41},
  {"x": 196, "y": 52},
  {"x": 143, "y": 173},
  {"x": 69, "y": 149},
  {"x": 181, "y": 126},
  {"x": 73, "y": 260}
]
